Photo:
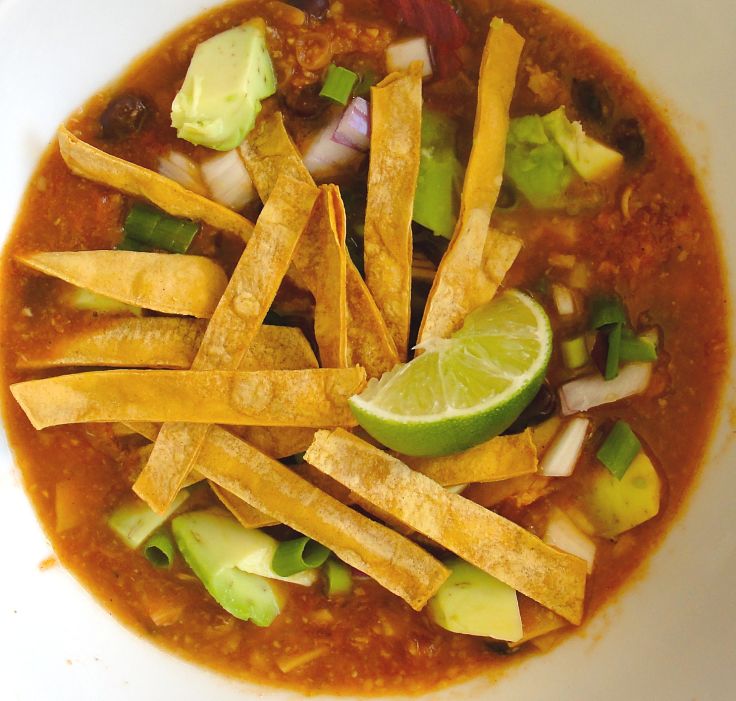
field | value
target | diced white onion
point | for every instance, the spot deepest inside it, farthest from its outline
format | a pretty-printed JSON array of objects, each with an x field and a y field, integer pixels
[
  {"x": 562, "y": 456},
  {"x": 354, "y": 128},
  {"x": 562, "y": 533},
  {"x": 183, "y": 170},
  {"x": 592, "y": 390},
  {"x": 228, "y": 180},
  {"x": 401, "y": 54},
  {"x": 325, "y": 158},
  {"x": 564, "y": 301}
]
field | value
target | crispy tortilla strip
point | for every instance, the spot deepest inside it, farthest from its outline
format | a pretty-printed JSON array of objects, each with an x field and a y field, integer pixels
[
  {"x": 498, "y": 459},
  {"x": 396, "y": 135},
  {"x": 247, "y": 515},
  {"x": 269, "y": 150},
  {"x": 536, "y": 621},
  {"x": 447, "y": 304},
  {"x": 518, "y": 491},
  {"x": 161, "y": 342},
  {"x": 320, "y": 260},
  {"x": 369, "y": 343},
  {"x": 499, "y": 253},
  {"x": 91, "y": 163},
  {"x": 393, "y": 561},
  {"x": 508, "y": 552},
  {"x": 239, "y": 315},
  {"x": 165, "y": 282},
  {"x": 314, "y": 398}
]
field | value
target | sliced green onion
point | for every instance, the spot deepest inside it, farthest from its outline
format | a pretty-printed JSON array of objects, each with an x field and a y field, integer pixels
[
  {"x": 637, "y": 349},
  {"x": 613, "y": 357},
  {"x": 574, "y": 352},
  {"x": 339, "y": 84},
  {"x": 293, "y": 556},
  {"x": 619, "y": 449},
  {"x": 605, "y": 311},
  {"x": 129, "y": 244},
  {"x": 160, "y": 550},
  {"x": 151, "y": 227},
  {"x": 339, "y": 578}
]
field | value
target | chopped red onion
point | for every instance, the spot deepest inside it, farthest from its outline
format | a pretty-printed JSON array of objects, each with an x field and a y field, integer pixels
[
  {"x": 401, "y": 54},
  {"x": 183, "y": 170},
  {"x": 354, "y": 128},
  {"x": 228, "y": 180},
  {"x": 324, "y": 157},
  {"x": 592, "y": 390},
  {"x": 562, "y": 533}
]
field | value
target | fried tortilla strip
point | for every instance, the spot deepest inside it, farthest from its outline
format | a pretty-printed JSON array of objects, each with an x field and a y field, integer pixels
[
  {"x": 161, "y": 342},
  {"x": 239, "y": 315},
  {"x": 91, "y": 163},
  {"x": 320, "y": 260},
  {"x": 247, "y": 515},
  {"x": 499, "y": 253},
  {"x": 267, "y": 151},
  {"x": 447, "y": 304},
  {"x": 393, "y": 561},
  {"x": 500, "y": 547},
  {"x": 498, "y": 459},
  {"x": 396, "y": 135},
  {"x": 314, "y": 398},
  {"x": 165, "y": 282}
]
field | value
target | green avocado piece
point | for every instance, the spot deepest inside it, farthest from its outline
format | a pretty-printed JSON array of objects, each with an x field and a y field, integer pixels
[
  {"x": 213, "y": 545},
  {"x": 613, "y": 506},
  {"x": 227, "y": 78},
  {"x": 437, "y": 196},
  {"x": 134, "y": 520},
  {"x": 535, "y": 164},
  {"x": 474, "y": 603},
  {"x": 591, "y": 160}
]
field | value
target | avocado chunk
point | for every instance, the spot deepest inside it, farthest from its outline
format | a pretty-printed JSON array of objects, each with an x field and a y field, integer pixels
[
  {"x": 474, "y": 603},
  {"x": 134, "y": 520},
  {"x": 227, "y": 78},
  {"x": 535, "y": 164},
  {"x": 613, "y": 506},
  {"x": 436, "y": 200},
  {"x": 591, "y": 160},
  {"x": 215, "y": 546}
]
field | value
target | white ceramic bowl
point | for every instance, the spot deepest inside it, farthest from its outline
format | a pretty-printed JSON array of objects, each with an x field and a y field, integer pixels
[{"x": 669, "y": 636}]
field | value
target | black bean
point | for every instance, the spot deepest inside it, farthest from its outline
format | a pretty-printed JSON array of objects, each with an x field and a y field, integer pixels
[
  {"x": 124, "y": 115},
  {"x": 627, "y": 139},
  {"x": 498, "y": 647},
  {"x": 305, "y": 102},
  {"x": 314, "y": 8},
  {"x": 540, "y": 408},
  {"x": 591, "y": 100}
]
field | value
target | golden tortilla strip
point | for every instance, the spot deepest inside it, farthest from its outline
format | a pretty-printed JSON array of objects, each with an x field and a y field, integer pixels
[
  {"x": 447, "y": 304},
  {"x": 235, "y": 322},
  {"x": 498, "y": 459},
  {"x": 499, "y": 253},
  {"x": 396, "y": 136},
  {"x": 536, "y": 621},
  {"x": 275, "y": 441},
  {"x": 320, "y": 261},
  {"x": 164, "y": 342},
  {"x": 396, "y": 563},
  {"x": 313, "y": 398},
  {"x": 247, "y": 515},
  {"x": 369, "y": 342},
  {"x": 269, "y": 150},
  {"x": 92, "y": 163},
  {"x": 497, "y": 546},
  {"x": 166, "y": 282}
]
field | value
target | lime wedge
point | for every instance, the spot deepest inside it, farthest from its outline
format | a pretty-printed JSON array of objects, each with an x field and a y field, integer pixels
[{"x": 464, "y": 390}]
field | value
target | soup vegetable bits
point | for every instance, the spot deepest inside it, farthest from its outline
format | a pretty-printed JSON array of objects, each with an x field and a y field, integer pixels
[{"x": 353, "y": 346}]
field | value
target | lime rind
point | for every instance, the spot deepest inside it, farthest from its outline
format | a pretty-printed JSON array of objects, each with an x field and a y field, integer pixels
[{"x": 472, "y": 386}]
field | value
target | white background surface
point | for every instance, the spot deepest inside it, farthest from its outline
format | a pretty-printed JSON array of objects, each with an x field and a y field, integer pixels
[{"x": 672, "y": 636}]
